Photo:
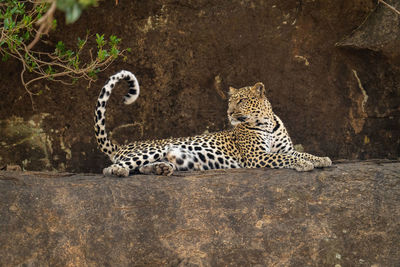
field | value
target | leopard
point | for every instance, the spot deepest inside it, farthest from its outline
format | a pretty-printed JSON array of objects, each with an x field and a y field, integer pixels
[{"x": 257, "y": 139}]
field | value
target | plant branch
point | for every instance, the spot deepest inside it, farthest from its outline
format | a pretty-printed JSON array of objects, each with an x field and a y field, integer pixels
[
  {"x": 45, "y": 24},
  {"x": 27, "y": 23},
  {"x": 390, "y": 6}
]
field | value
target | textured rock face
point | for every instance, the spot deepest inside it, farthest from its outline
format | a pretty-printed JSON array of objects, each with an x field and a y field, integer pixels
[
  {"x": 346, "y": 215},
  {"x": 334, "y": 83}
]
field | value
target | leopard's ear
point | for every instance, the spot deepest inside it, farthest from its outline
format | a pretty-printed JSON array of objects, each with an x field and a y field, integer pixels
[
  {"x": 259, "y": 89},
  {"x": 232, "y": 90}
]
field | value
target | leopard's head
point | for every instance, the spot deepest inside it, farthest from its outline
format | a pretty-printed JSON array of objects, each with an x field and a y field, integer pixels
[{"x": 249, "y": 105}]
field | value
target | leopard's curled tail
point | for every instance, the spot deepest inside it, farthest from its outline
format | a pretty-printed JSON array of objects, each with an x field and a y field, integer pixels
[{"x": 104, "y": 143}]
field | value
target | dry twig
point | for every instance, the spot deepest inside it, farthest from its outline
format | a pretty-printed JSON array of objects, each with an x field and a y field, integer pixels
[
  {"x": 389, "y": 6},
  {"x": 45, "y": 24}
]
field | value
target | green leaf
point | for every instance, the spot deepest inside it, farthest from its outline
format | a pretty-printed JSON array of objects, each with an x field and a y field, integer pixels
[
  {"x": 5, "y": 57},
  {"x": 114, "y": 52},
  {"x": 64, "y": 4},
  {"x": 49, "y": 70},
  {"x": 100, "y": 40},
  {"x": 8, "y": 23},
  {"x": 60, "y": 48},
  {"x": 75, "y": 62},
  {"x": 114, "y": 40},
  {"x": 14, "y": 10},
  {"x": 16, "y": 39},
  {"x": 102, "y": 55},
  {"x": 26, "y": 36},
  {"x": 26, "y": 20},
  {"x": 92, "y": 73},
  {"x": 69, "y": 53},
  {"x": 81, "y": 43},
  {"x": 73, "y": 13},
  {"x": 86, "y": 3},
  {"x": 54, "y": 24}
]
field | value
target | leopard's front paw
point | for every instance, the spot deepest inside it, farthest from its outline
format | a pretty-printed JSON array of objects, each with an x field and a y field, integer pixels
[
  {"x": 116, "y": 170},
  {"x": 323, "y": 162},
  {"x": 303, "y": 166}
]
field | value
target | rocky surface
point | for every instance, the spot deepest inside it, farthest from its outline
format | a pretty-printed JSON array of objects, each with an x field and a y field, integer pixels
[
  {"x": 347, "y": 215},
  {"x": 331, "y": 68}
]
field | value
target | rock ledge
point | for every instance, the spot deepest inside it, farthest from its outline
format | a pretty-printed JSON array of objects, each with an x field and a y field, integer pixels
[{"x": 348, "y": 215}]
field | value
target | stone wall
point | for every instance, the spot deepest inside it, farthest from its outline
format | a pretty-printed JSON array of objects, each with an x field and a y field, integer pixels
[{"x": 331, "y": 68}]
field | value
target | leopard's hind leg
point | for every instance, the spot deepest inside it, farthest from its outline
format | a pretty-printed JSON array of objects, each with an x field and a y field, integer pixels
[
  {"x": 175, "y": 159},
  {"x": 184, "y": 159},
  {"x": 158, "y": 168}
]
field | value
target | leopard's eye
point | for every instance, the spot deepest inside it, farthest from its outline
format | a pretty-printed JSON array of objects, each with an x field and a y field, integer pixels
[{"x": 242, "y": 100}]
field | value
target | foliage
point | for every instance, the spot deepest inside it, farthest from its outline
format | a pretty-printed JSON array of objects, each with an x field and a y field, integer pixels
[
  {"x": 73, "y": 9},
  {"x": 23, "y": 24}
]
